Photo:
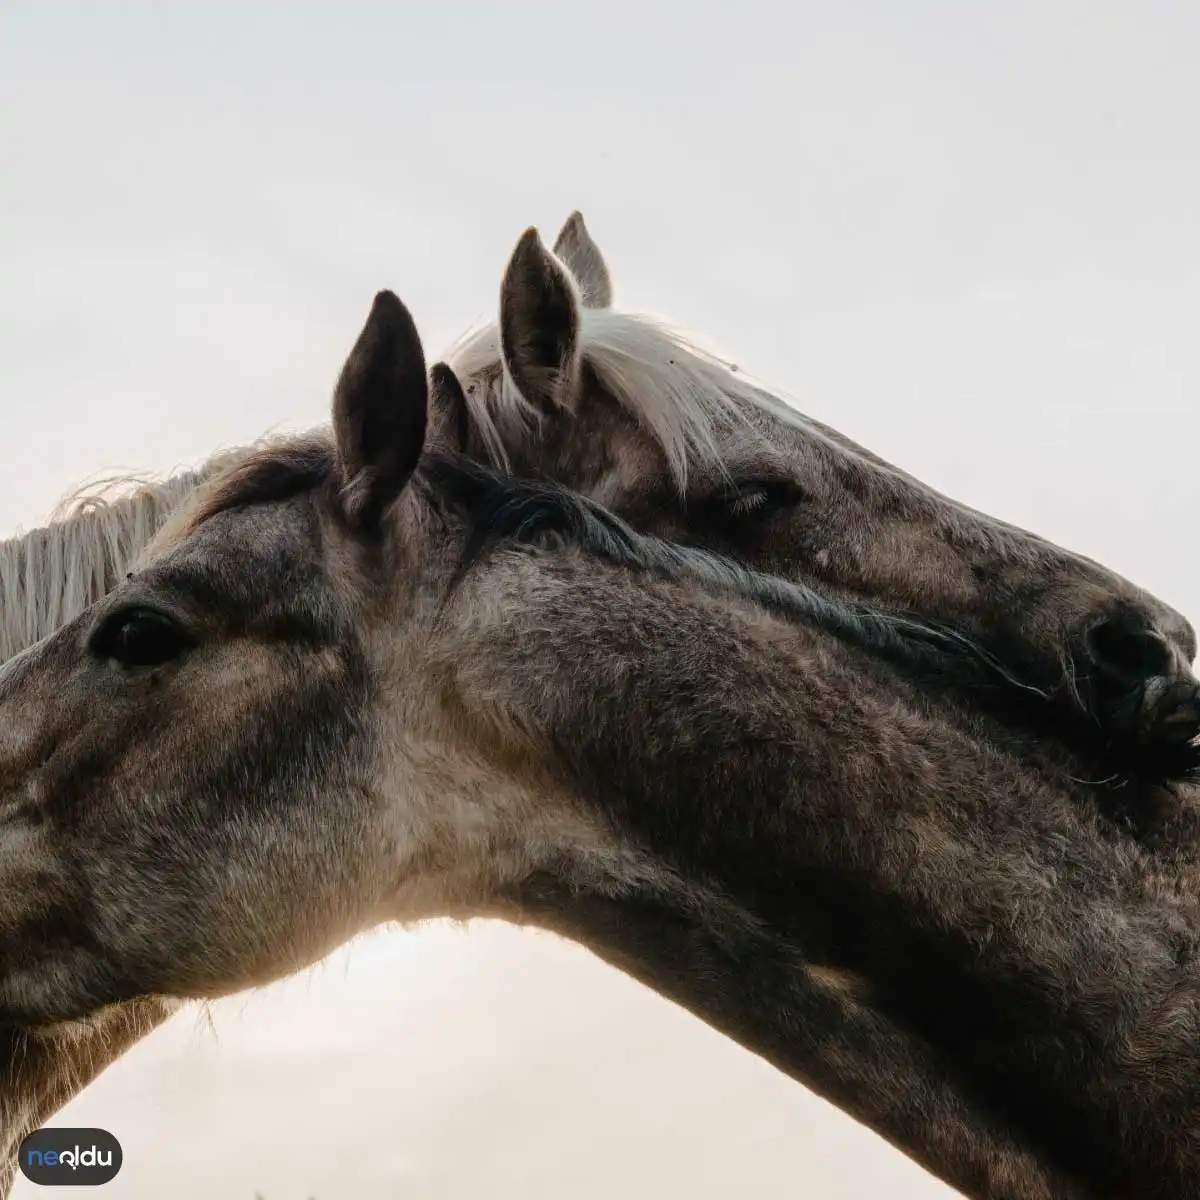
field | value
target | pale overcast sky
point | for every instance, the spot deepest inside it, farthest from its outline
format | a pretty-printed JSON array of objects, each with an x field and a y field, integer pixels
[{"x": 967, "y": 235}]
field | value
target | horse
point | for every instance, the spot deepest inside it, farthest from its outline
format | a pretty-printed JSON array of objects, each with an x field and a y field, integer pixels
[
  {"x": 725, "y": 464},
  {"x": 629, "y": 412},
  {"x": 333, "y": 694}
]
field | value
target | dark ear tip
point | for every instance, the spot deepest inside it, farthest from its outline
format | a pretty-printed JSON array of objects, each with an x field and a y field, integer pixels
[
  {"x": 389, "y": 318},
  {"x": 530, "y": 244},
  {"x": 387, "y": 304}
]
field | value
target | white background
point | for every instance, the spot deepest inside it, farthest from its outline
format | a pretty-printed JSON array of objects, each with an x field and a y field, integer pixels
[{"x": 967, "y": 235}]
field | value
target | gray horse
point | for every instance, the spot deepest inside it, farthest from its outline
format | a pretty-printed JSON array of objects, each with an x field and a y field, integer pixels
[{"x": 335, "y": 693}]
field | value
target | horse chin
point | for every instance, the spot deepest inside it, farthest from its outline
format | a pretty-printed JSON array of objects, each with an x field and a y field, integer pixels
[
  {"x": 1154, "y": 794},
  {"x": 1152, "y": 762},
  {"x": 1141, "y": 737},
  {"x": 1175, "y": 765},
  {"x": 1143, "y": 777}
]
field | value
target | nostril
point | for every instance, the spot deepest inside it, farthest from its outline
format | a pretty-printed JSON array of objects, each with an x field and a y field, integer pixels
[{"x": 1124, "y": 648}]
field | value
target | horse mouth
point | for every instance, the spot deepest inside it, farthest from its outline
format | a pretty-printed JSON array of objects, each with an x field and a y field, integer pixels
[
  {"x": 1124, "y": 735},
  {"x": 1164, "y": 763},
  {"x": 1170, "y": 710},
  {"x": 1151, "y": 733}
]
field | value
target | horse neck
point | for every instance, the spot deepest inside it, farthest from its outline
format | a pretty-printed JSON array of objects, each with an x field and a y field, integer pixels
[
  {"x": 722, "y": 964},
  {"x": 40, "y": 1070},
  {"x": 1033, "y": 951}
]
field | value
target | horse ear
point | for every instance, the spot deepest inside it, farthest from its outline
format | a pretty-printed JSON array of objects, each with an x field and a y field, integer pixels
[
  {"x": 574, "y": 245},
  {"x": 539, "y": 325},
  {"x": 448, "y": 403},
  {"x": 380, "y": 411}
]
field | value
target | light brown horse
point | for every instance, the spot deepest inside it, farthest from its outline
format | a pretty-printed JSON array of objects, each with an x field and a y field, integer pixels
[
  {"x": 617, "y": 406},
  {"x": 328, "y": 698}
]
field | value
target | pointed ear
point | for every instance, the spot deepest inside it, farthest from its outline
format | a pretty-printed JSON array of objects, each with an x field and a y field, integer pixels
[
  {"x": 379, "y": 412},
  {"x": 448, "y": 404},
  {"x": 539, "y": 325},
  {"x": 575, "y": 247}
]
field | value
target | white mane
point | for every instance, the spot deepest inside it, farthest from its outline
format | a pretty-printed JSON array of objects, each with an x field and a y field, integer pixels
[
  {"x": 48, "y": 576},
  {"x": 680, "y": 393}
]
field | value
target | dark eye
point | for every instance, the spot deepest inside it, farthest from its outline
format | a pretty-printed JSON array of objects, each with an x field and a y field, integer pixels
[{"x": 138, "y": 637}]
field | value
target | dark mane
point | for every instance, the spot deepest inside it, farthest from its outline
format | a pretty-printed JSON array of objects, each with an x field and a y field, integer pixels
[{"x": 504, "y": 510}]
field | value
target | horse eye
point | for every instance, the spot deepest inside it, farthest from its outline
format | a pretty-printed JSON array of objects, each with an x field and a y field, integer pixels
[
  {"x": 746, "y": 504},
  {"x": 140, "y": 638},
  {"x": 754, "y": 501}
]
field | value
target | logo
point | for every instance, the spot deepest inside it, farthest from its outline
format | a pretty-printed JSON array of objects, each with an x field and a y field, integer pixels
[{"x": 69, "y": 1157}]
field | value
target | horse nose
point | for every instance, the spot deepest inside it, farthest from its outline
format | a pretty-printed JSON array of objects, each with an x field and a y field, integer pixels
[{"x": 1133, "y": 655}]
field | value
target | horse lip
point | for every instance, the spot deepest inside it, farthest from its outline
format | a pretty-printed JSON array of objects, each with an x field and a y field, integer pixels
[{"x": 1171, "y": 709}]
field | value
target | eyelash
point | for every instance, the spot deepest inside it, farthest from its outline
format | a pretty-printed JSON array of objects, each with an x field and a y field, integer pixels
[
  {"x": 746, "y": 504},
  {"x": 760, "y": 499}
]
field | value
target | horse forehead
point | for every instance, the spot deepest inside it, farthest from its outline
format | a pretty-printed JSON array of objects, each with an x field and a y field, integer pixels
[
  {"x": 759, "y": 441},
  {"x": 253, "y": 553},
  {"x": 771, "y": 442}
]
